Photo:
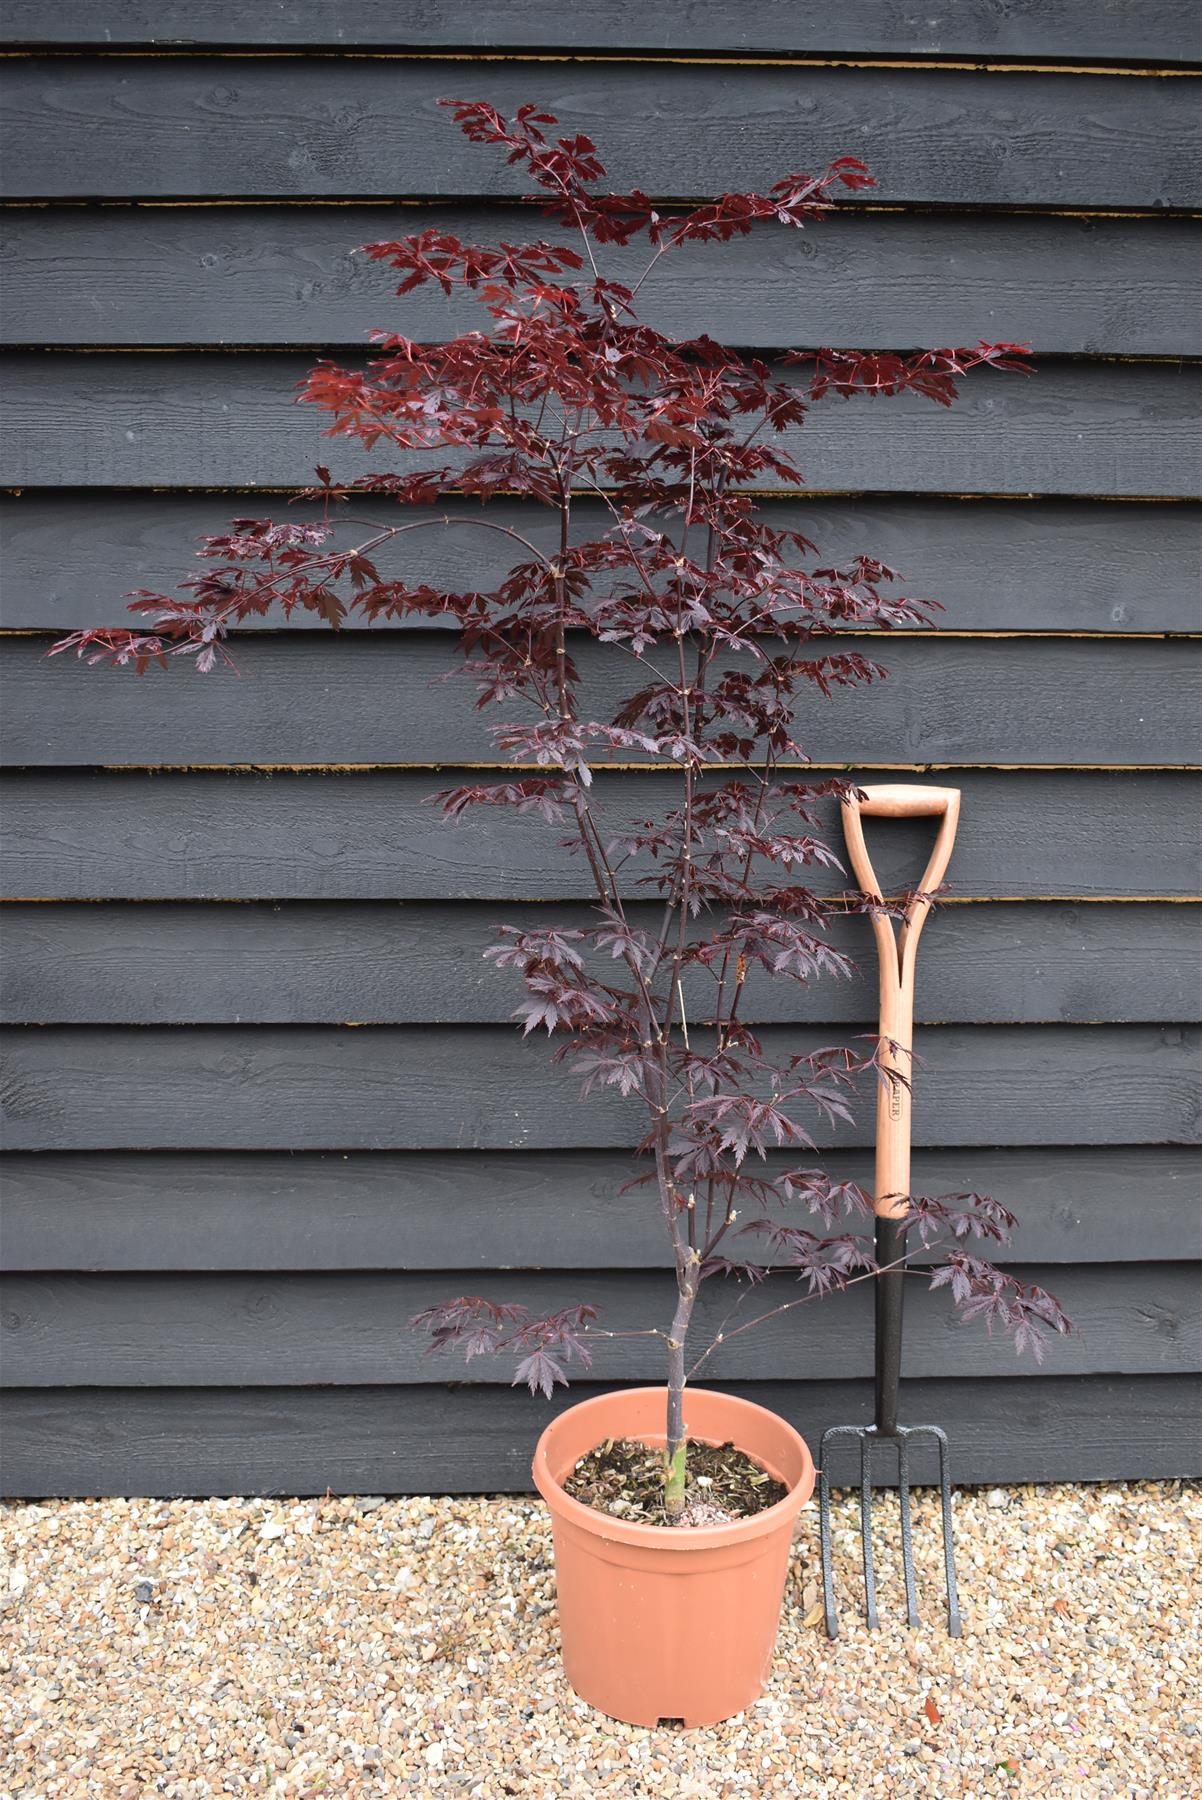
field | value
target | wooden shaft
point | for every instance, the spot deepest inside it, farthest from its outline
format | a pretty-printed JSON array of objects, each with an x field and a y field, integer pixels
[
  {"x": 897, "y": 957},
  {"x": 894, "y": 1099}
]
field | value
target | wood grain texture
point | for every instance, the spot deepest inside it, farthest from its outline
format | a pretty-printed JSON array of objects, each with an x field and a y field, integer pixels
[
  {"x": 290, "y": 275},
  {"x": 374, "y": 835},
  {"x": 1006, "y": 565},
  {"x": 232, "y": 420},
  {"x": 226, "y": 1210},
  {"x": 316, "y": 962},
  {"x": 301, "y": 127},
  {"x": 481, "y": 1087},
  {"x": 222, "y": 1202},
  {"x": 394, "y": 1440},
  {"x": 1136, "y": 30},
  {"x": 316, "y": 698},
  {"x": 63, "y": 1330}
]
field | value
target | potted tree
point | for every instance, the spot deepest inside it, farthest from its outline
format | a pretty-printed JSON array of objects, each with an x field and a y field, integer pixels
[{"x": 673, "y": 1506}]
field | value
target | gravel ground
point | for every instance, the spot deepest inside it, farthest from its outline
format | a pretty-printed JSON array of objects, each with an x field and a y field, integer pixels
[{"x": 344, "y": 1647}]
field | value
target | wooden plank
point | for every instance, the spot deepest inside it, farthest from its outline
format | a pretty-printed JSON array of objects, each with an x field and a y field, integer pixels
[
  {"x": 231, "y": 420},
  {"x": 373, "y": 835},
  {"x": 65, "y": 1330},
  {"x": 308, "y": 963},
  {"x": 996, "y": 565},
  {"x": 394, "y": 1440},
  {"x": 318, "y": 699},
  {"x": 300, "y": 127},
  {"x": 226, "y": 1210},
  {"x": 289, "y": 275},
  {"x": 1129, "y": 30},
  {"x": 482, "y": 1087}
]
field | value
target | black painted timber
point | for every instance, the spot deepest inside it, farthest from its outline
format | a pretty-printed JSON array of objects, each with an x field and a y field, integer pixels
[
  {"x": 202, "y": 420},
  {"x": 374, "y": 834},
  {"x": 305, "y": 963},
  {"x": 481, "y": 1087},
  {"x": 381, "y": 1209},
  {"x": 250, "y": 1138},
  {"x": 295, "y": 127},
  {"x": 292, "y": 275},
  {"x": 217, "y": 1330},
  {"x": 1006, "y": 565},
  {"x": 296, "y": 1440},
  {"x": 1129, "y": 30},
  {"x": 313, "y": 699}
]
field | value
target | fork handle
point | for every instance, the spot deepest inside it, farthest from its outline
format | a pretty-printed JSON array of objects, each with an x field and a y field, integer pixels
[
  {"x": 897, "y": 957},
  {"x": 906, "y": 800}
]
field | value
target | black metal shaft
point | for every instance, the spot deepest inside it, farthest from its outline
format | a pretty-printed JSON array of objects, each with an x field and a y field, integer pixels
[{"x": 890, "y": 1294}]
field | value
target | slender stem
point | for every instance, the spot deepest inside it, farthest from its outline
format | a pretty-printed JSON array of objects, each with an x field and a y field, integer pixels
[
  {"x": 675, "y": 1447},
  {"x": 651, "y": 1331},
  {"x": 725, "y": 1336}
]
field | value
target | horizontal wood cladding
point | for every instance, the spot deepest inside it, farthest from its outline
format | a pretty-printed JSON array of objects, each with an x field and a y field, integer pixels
[
  {"x": 313, "y": 698},
  {"x": 379, "y": 1209},
  {"x": 245, "y": 1142},
  {"x": 67, "y": 1330},
  {"x": 394, "y": 1440},
  {"x": 1078, "y": 30},
  {"x": 996, "y": 565},
  {"x": 263, "y": 127},
  {"x": 395, "y": 963},
  {"x": 117, "y": 1087},
  {"x": 231, "y": 420},
  {"x": 213, "y": 834},
  {"x": 289, "y": 275}
]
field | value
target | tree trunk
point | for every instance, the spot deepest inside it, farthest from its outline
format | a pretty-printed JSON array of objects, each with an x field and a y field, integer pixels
[{"x": 674, "y": 1449}]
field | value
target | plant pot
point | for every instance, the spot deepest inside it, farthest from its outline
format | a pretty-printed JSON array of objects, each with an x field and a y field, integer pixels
[{"x": 663, "y": 1622}]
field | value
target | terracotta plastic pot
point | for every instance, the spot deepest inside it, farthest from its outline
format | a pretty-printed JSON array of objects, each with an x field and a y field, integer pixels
[{"x": 660, "y": 1622}]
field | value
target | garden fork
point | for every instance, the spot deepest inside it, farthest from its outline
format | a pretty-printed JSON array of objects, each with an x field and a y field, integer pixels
[{"x": 891, "y": 1190}]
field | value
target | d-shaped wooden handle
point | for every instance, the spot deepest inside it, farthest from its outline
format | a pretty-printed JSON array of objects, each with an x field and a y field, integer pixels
[
  {"x": 897, "y": 957},
  {"x": 897, "y": 801},
  {"x": 903, "y": 800}
]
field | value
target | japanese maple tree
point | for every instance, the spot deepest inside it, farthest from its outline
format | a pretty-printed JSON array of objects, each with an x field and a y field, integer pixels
[{"x": 725, "y": 625}]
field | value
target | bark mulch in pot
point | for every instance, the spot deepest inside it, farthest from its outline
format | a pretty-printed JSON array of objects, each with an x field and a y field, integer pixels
[{"x": 625, "y": 1478}]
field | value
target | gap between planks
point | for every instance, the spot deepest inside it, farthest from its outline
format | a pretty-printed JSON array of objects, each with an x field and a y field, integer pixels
[
  {"x": 499, "y": 203},
  {"x": 1183, "y": 359},
  {"x": 873, "y": 495},
  {"x": 348, "y": 900},
  {"x": 602, "y": 768},
  {"x": 243, "y": 1022},
  {"x": 329, "y": 53},
  {"x": 935, "y": 634}
]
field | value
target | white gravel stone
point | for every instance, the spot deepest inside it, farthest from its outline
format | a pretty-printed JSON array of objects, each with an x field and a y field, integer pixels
[{"x": 305, "y": 1648}]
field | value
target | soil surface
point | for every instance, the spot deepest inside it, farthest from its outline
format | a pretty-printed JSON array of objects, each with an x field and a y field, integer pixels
[{"x": 626, "y": 1479}]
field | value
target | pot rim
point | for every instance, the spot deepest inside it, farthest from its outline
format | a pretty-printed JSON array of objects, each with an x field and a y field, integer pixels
[{"x": 675, "y": 1537}]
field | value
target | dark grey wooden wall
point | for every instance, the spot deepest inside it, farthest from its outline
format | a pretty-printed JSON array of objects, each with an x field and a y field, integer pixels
[{"x": 261, "y": 1097}]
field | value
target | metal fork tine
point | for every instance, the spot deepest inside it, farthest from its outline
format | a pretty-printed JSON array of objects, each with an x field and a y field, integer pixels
[
  {"x": 870, "y": 1611},
  {"x": 949, "y": 1559},
  {"x": 903, "y": 1502},
  {"x": 867, "y": 1436},
  {"x": 824, "y": 1537}
]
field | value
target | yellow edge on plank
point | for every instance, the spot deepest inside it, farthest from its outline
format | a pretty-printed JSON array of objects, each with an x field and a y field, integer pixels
[
  {"x": 605, "y": 768},
  {"x": 328, "y": 53},
  {"x": 497, "y": 202},
  {"x": 546, "y": 900},
  {"x": 878, "y": 636},
  {"x": 910, "y": 495},
  {"x": 1182, "y": 359}
]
